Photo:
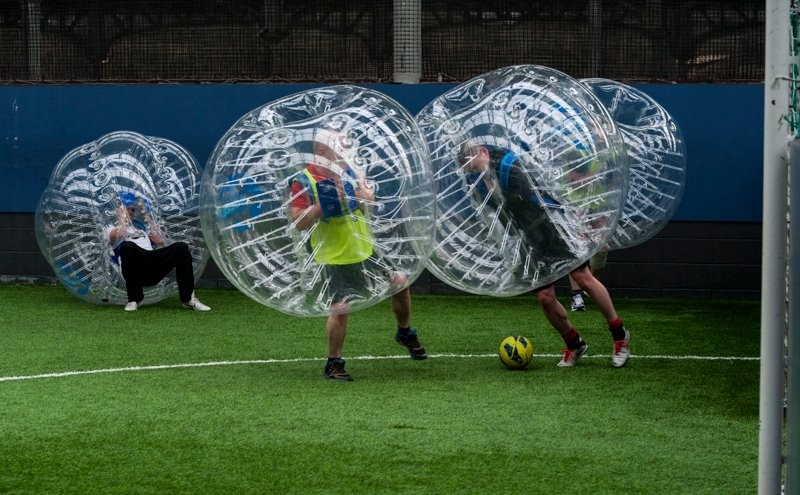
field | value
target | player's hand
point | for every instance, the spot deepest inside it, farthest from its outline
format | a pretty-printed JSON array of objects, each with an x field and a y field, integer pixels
[
  {"x": 123, "y": 218},
  {"x": 329, "y": 202}
]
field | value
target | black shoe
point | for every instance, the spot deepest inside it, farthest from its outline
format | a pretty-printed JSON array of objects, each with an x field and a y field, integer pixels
[
  {"x": 411, "y": 342},
  {"x": 334, "y": 370}
]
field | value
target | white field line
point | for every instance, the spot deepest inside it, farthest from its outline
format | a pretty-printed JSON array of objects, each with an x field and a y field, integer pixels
[{"x": 63, "y": 374}]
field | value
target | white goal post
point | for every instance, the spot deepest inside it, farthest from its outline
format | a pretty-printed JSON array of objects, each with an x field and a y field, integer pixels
[{"x": 778, "y": 130}]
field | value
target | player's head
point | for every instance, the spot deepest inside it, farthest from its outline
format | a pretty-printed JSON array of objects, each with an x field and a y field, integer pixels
[
  {"x": 132, "y": 202},
  {"x": 329, "y": 144},
  {"x": 472, "y": 157},
  {"x": 128, "y": 200},
  {"x": 333, "y": 150}
]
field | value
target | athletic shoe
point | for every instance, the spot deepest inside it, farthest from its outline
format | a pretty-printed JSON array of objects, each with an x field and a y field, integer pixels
[
  {"x": 131, "y": 306},
  {"x": 195, "y": 304},
  {"x": 622, "y": 351},
  {"x": 571, "y": 356},
  {"x": 334, "y": 370},
  {"x": 577, "y": 302},
  {"x": 411, "y": 342}
]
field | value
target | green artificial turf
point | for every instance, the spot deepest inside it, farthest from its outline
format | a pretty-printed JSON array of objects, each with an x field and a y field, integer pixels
[{"x": 164, "y": 400}]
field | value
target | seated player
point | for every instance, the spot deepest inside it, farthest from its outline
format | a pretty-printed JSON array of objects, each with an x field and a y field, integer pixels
[{"x": 144, "y": 257}]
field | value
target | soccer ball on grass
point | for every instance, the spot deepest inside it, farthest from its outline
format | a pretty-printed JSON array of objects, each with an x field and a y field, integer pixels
[{"x": 516, "y": 352}]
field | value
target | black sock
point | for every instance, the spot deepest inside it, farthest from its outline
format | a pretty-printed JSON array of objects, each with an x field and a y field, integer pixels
[
  {"x": 577, "y": 292},
  {"x": 573, "y": 340},
  {"x": 617, "y": 331},
  {"x": 403, "y": 331}
]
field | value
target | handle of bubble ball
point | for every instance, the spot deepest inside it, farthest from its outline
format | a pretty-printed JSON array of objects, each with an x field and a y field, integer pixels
[
  {"x": 123, "y": 219},
  {"x": 153, "y": 230},
  {"x": 350, "y": 194},
  {"x": 329, "y": 202}
]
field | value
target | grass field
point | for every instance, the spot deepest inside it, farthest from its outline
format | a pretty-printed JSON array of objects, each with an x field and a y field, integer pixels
[{"x": 168, "y": 401}]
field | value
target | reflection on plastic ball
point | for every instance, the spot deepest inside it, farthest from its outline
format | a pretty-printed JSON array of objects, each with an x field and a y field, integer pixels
[
  {"x": 529, "y": 172},
  {"x": 321, "y": 201},
  {"x": 86, "y": 190},
  {"x": 657, "y": 155}
]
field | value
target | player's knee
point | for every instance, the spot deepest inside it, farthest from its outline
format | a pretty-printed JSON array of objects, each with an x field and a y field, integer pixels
[
  {"x": 339, "y": 311},
  {"x": 399, "y": 279},
  {"x": 546, "y": 295},
  {"x": 582, "y": 276},
  {"x": 545, "y": 299},
  {"x": 126, "y": 248},
  {"x": 181, "y": 247}
]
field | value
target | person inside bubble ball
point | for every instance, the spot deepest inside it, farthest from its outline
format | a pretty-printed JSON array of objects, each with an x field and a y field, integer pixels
[
  {"x": 329, "y": 196},
  {"x": 496, "y": 179},
  {"x": 503, "y": 177},
  {"x": 144, "y": 258}
]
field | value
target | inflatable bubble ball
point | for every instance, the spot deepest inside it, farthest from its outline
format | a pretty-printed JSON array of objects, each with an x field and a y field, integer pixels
[
  {"x": 657, "y": 156},
  {"x": 153, "y": 180},
  {"x": 530, "y": 176},
  {"x": 320, "y": 202}
]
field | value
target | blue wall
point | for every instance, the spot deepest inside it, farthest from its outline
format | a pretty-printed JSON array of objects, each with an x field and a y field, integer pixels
[{"x": 722, "y": 125}]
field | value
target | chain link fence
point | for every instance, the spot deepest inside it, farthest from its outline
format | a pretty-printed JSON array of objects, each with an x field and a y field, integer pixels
[{"x": 148, "y": 41}]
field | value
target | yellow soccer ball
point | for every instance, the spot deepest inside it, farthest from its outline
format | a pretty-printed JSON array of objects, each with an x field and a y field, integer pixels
[{"x": 516, "y": 352}]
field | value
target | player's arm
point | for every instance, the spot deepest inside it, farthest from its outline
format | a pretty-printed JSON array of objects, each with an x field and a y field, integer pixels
[
  {"x": 485, "y": 190},
  {"x": 303, "y": 212},
  {"x": 153, "y": 231},
  {"x": 305, "y": 218},
  {"x": 359, "y": 193},
  {"x": 537, "y": 195},
  {"x": 117, "y": 233},
  {"x": 156, "y": 238}
]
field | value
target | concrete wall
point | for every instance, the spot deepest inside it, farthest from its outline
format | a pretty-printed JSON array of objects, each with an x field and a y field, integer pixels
[{"x": 693, "y": 259}]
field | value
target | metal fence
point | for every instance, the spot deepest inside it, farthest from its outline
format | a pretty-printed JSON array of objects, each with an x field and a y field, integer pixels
[{"x": 98, "y": 41}]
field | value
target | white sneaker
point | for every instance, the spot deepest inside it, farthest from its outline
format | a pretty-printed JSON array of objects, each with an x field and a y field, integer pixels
[
  {"x": 577, "y": 303},
  {"x": 131, "y": 306},
  {"x": 622, "y": 351},
  {"x": 195, "y": 304},
  {"x": 571, "y": 356}
]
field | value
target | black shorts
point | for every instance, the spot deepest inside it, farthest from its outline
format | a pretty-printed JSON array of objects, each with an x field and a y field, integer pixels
[
  {"x": 346, "y": 281},
  {"x": 551, "y": 284},
  {"x": 353, "y": 281}
]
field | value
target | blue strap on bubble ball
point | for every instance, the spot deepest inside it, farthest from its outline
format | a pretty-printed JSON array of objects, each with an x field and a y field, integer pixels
[
  {"x": 241, "y": 197},
  {"x": 329, "y": 199},
  {"x": 350, "y": 191},
  {"x": 505, "y": 169},
  {"x": 350, "y": 179}
]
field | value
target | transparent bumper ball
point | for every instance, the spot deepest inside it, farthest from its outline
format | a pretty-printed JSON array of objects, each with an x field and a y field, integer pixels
[
  {"x": 89, "y": 188},
  {"x": 530, "y": 176},
  {"x": 657, "y": 156},
  {"x": 320, "y": 202}
]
